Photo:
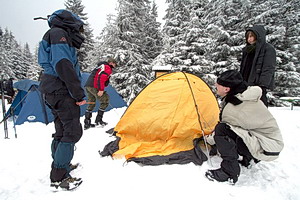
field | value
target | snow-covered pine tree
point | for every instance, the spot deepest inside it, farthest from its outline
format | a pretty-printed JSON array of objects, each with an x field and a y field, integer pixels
[
  {"x": 86, "y": 51},
  {"x": 2, "y": 53},
  {"x": 177, "y": 19},
  {"x": 153, "y": 39},
  {"x": 31, "y": 63},
  {"x": 9, "y": 52},
  {"x": 226, "y": 22},
  {"x": 282, "y": 22},
  {"x": 108, "y": 40},
  {"x": 127, "y": 44}
]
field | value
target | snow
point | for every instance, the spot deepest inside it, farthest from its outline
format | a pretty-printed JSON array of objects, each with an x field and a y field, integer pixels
[{"x": 25, "y": 165}]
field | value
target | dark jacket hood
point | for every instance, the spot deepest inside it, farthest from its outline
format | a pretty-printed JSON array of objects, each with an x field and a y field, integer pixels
[
  {"x": 260, "y": 33},
  {"x": 66, "y": 20}
]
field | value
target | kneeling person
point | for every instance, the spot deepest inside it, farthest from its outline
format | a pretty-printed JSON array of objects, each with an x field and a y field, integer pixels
[{"x": 246, "y": 128}]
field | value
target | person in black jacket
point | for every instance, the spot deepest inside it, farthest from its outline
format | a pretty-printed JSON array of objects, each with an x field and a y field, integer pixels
[
  {"x": 258, "y": 61},
  {"x": 61, "y": 86}
]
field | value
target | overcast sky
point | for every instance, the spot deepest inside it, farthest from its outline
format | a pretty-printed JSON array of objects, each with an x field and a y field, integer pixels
[{"x": 17, "y": 16}]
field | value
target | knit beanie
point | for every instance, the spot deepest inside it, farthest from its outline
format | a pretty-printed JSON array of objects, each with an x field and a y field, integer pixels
[
  {"x": 230, "y": 78},
  {"x": 234, "y": 80}
]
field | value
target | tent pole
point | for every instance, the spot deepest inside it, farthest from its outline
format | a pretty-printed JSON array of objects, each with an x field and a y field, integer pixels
[
  {"x": 206, "y": 147},
  {"x": 198, "y": 115}
]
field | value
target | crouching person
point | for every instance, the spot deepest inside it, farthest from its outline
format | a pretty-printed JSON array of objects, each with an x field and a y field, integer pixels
[{"x": 246, "y": 128}]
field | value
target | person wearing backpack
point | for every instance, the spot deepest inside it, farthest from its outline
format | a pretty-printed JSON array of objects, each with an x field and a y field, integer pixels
[
  {"x": 94, "y": 86},
  {"x": 60, "y": 85}
]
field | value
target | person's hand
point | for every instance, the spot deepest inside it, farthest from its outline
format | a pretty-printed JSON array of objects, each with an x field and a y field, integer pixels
[
  {"x": 100, "y": 93},
  {"x": 80, "y": 103}
]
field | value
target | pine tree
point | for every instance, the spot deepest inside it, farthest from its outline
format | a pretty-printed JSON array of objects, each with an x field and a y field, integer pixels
[
  {"x": 127, "y": 44},
  {"x": 7, "y": 63},
  {"x": 33, "y": 69},
  {"x": 85, "y": 53},
  {"x": 174, "y": 49},
  {"x": 153, "y": 40}
]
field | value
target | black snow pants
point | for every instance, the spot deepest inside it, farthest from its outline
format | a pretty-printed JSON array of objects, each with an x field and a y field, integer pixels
[
  {"x": 230, "y": 146},
  {"x": 68, "y": 131}
]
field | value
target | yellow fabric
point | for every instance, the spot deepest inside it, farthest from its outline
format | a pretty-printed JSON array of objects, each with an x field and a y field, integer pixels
[{"x": 163, "y": 118}]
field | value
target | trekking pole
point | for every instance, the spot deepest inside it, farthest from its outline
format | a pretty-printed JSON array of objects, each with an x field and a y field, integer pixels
[
  {"x": 14, "y": 121},
  {"x": 3, "y": 109}
]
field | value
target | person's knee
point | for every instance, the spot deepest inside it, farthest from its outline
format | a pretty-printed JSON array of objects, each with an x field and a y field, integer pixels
[{"x": 220, "y": 129}]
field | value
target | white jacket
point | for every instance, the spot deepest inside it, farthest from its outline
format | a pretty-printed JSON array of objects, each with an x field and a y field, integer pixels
[{"x": 253, "y": 122}]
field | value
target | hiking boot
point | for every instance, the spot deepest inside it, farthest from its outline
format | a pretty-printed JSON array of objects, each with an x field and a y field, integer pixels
[
  {"x": 87, "y": 120},
  {"x": 102, "y": 123},
  {"x": 99, "y": 117},
  {"x": 88, "y": 125},
  {"x": 220, "y": 176},
  {"x": 69, "y": 183}
]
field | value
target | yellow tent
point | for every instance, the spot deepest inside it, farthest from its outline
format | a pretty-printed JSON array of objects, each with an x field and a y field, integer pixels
[{"x": 162, "y": 123}]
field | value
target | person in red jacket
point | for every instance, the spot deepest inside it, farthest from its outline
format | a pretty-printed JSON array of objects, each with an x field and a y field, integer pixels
[{"x": 95, "y": 85}]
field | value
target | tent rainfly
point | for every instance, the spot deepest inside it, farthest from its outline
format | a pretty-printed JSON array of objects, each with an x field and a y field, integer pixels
[{"x": 165, "y": 122}]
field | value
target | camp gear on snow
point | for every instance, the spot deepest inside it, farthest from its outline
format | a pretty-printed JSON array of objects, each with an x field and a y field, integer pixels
[
  {"x": 28, "y": 105},
  {"x": 164, "y": 122}
]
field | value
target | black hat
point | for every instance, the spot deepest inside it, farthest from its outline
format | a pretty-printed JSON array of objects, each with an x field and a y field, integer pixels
[{"x": 230, "y": 78}]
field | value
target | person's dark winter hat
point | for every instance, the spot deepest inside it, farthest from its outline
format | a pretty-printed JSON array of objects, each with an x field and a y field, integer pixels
[
  {"x": 112, "y": 60},
  {"x": 230, "y": 78}
]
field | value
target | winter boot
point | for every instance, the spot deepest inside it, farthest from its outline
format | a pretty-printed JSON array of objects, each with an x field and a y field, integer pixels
[
  {"x": 87, "y": 120},
  {"x": 220, "y": 176},
  {"x": 99, "y": 118},
  {"x": 69, "y": 183}
]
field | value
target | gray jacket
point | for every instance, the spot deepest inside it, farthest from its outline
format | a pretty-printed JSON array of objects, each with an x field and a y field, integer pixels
[{"x": 253, "y": 122}]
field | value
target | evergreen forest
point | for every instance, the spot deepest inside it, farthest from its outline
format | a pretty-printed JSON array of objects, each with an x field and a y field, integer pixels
[{"x": 202, "y": 37}]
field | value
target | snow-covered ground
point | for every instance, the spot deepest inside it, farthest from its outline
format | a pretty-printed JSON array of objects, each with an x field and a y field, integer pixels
[{"x": 25, "y": 166}]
